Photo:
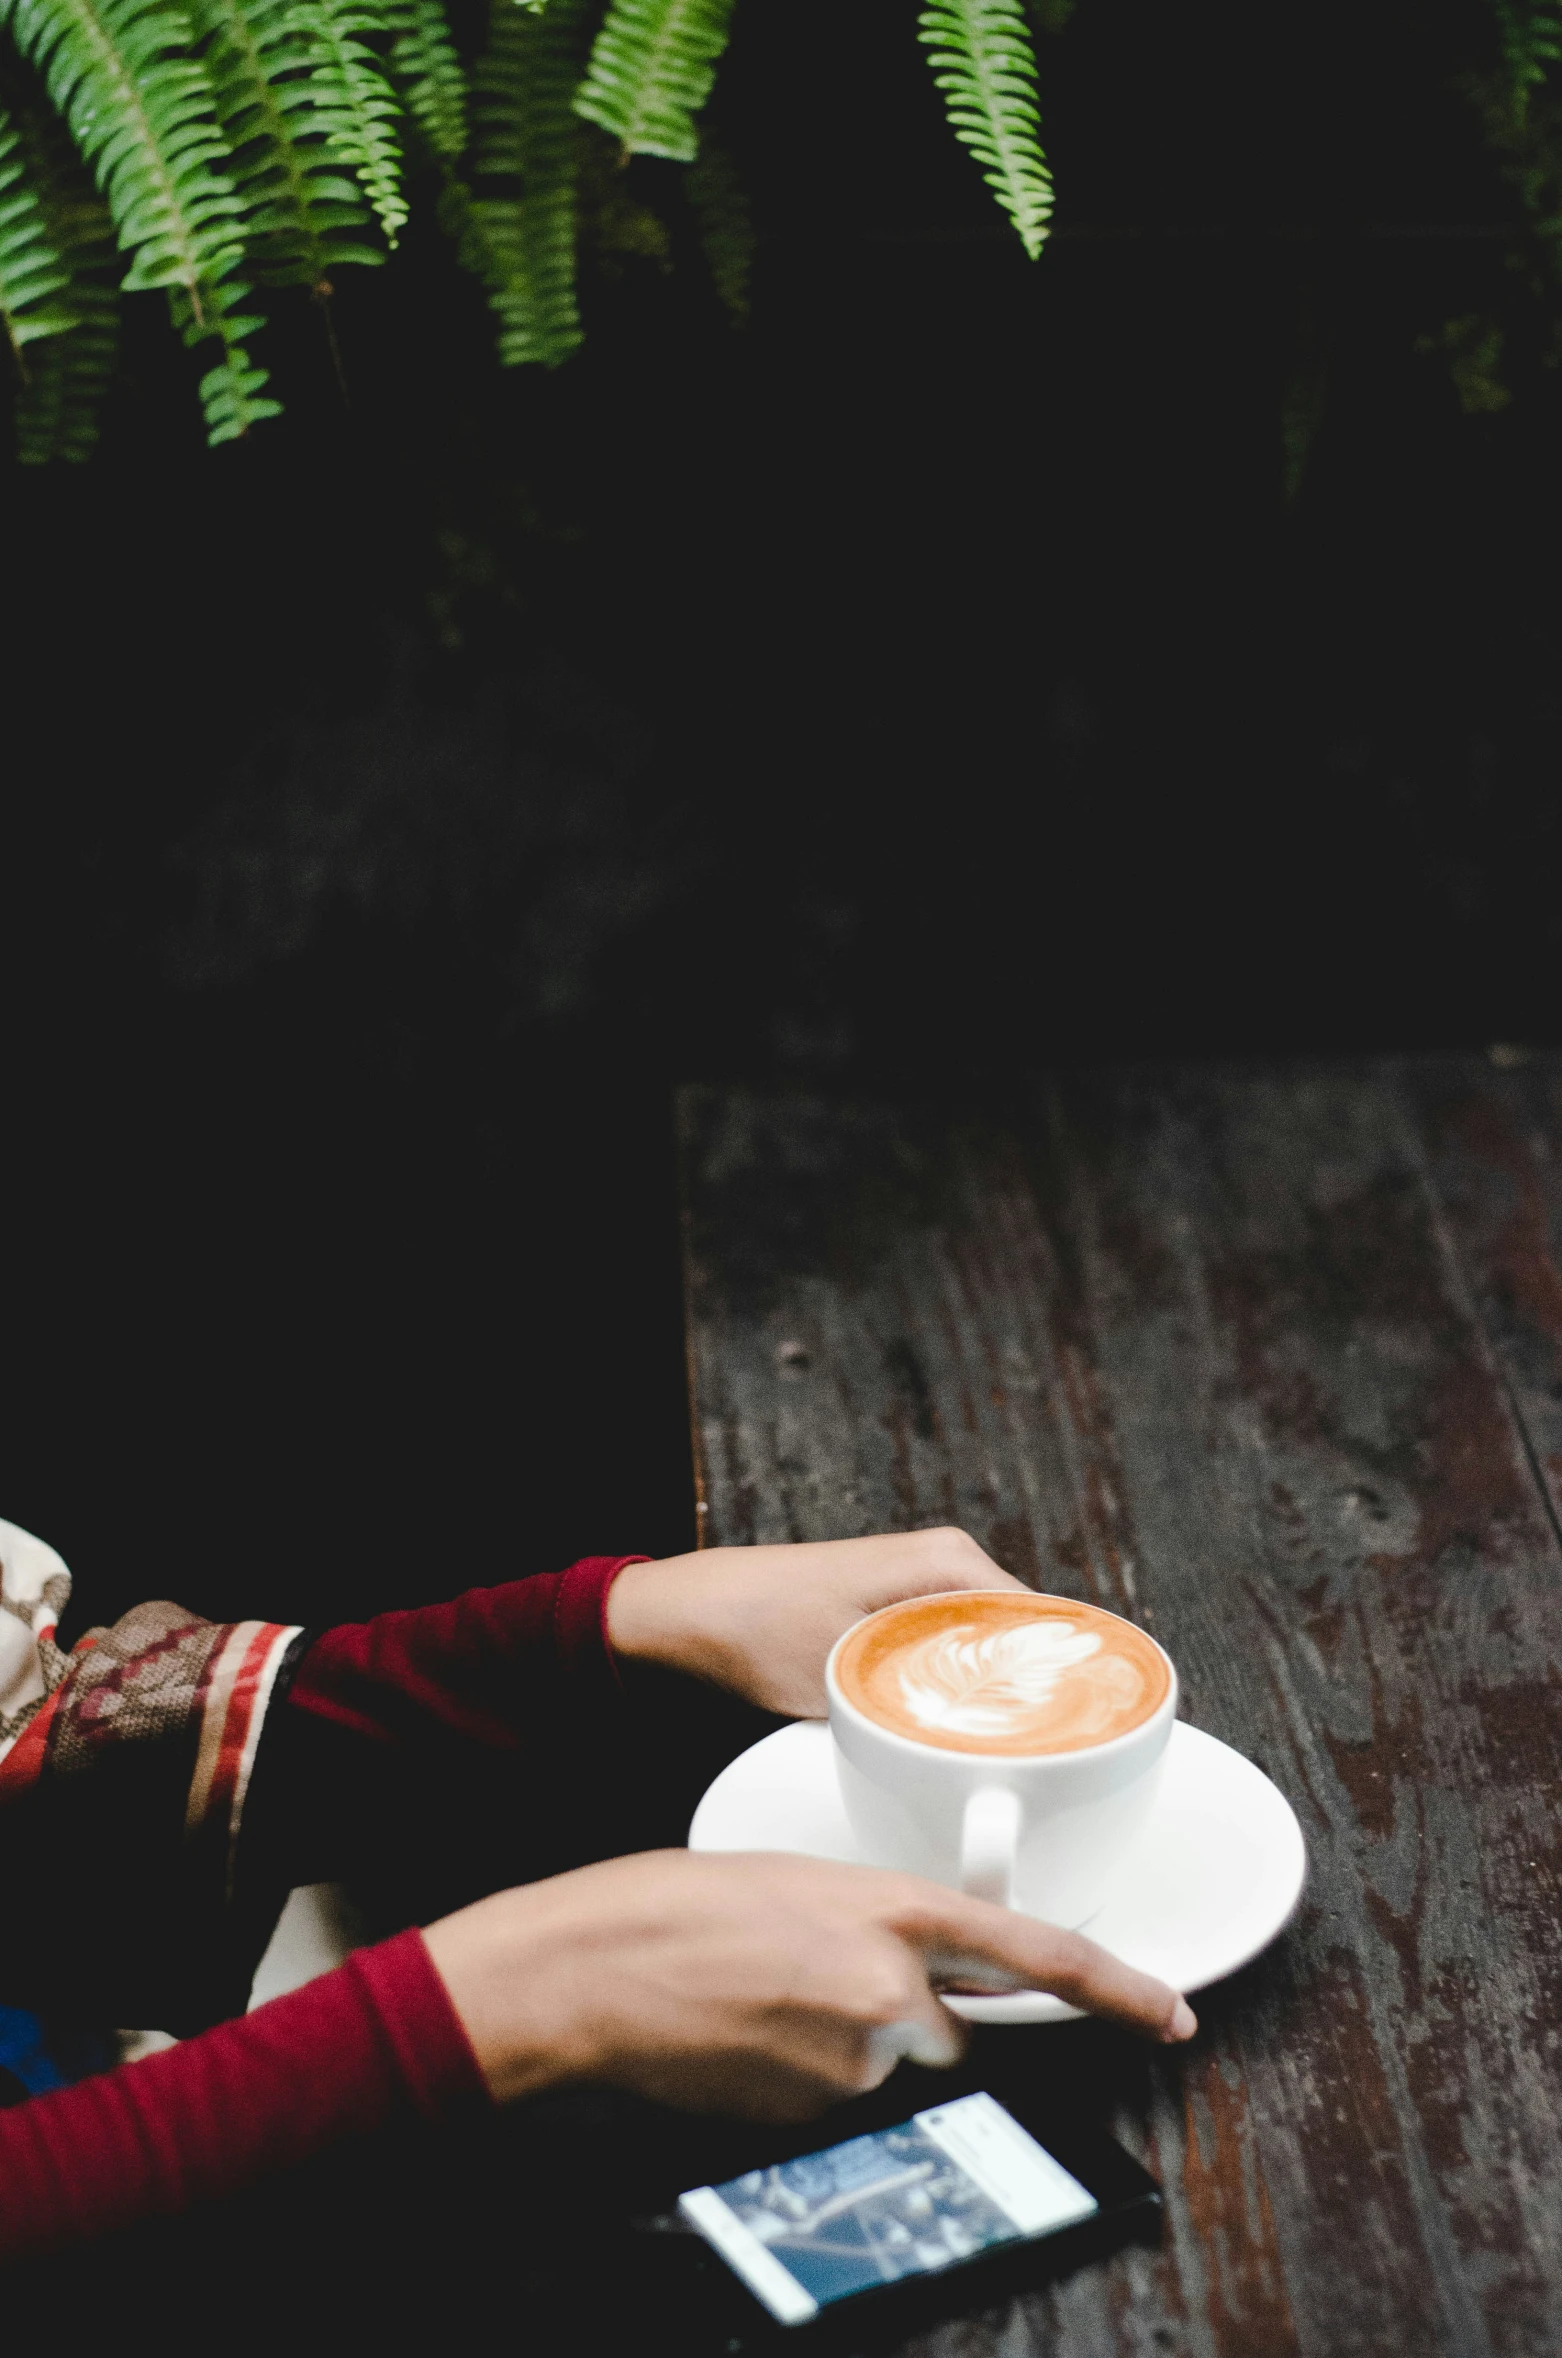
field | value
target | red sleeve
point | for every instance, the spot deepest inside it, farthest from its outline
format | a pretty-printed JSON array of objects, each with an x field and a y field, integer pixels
[
  {"x": 475, "y": 1668},
  {"x": 375, "y": 2041}
]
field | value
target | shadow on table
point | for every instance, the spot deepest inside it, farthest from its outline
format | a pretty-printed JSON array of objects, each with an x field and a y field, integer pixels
[
  {"x": 519, "y": 2224},
  {"x": 519, "y": 2220}
]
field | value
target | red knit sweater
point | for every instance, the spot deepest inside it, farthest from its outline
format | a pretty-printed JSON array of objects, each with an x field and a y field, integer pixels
[{"x": 376, "y": 2040}]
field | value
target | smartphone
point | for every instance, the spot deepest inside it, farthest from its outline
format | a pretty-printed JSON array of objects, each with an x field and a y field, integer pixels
[{"x": 944, "y": 2210}]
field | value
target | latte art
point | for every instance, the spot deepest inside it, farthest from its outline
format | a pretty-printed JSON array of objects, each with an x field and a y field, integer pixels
[
  {"x": 988, "y": 1686},
  {"x": 999, "y": 1672}
]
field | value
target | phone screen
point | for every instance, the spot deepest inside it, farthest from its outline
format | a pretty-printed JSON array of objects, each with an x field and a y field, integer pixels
[{"x": 923, "y": 2196}]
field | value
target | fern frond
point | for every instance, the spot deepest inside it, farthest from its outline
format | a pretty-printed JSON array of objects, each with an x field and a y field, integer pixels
[
  {"x": 427, "y": 73},
  {"x": 299, "y": 210},
  {"x": 616, "y": 225},
  {"x": 33, "y": 272},
  {"x": 57, "y": 409},
  {"x": 67, "y": 374},
  {"x": 355, "y": 103},
  {"x": 721, "y": 212},
  {"x": 140, "y": 110},
  {"x": 983, "y": 63},
  {"x": 518, "y": 230},
  {"x": 1516, "y": 100},
  {"x": 521, "y": 91},
  {"x": 231, "y": 398},
  {"x": 525, "y": 255},
  {"x": 651, "y": 69},
  {"x": 1472, "y": 346},
  {"x": 1529, "y": 36}
]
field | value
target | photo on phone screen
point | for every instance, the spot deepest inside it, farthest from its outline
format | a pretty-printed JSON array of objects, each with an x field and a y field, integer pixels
[{"x": 929, "y": 2194}]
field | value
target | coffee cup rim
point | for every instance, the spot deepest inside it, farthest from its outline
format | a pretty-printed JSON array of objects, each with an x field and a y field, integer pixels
[{"x": 838, "y": 1700}]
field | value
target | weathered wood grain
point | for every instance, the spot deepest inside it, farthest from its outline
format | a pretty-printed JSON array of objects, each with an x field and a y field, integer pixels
[
  {"x": 1494, "y": 1148},
  {"x": 1268, "y": 1362}
]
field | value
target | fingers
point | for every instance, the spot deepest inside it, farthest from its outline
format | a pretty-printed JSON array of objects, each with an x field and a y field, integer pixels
[
  {"x": 926, "y": 1563},
  {"x": 936, "y": 2045},
  {"x": 954, "y": 1934},
  {"x": 911, "y": 2023}
]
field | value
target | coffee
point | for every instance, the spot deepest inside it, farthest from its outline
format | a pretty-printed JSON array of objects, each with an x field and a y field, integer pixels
[{"x": 994, "y": 1671}]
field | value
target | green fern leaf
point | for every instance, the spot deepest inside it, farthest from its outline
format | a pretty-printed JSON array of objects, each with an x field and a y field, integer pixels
[
  {"x": 1529, "y": 34},
  {"x": 230, "y": 397},
  {"x": 356, "y": 104},
  {"x": 140, "y": 110},
  {"x": 518, "y": 231},
  {"x": 33, "y": 272},
  {"x": 1473, "y": 347},
  {"x": 66, "y": 374},
  {"x": 720, "y": 204},
  {"x": 617, "y": 226},
  {"x": 651, "y": 70},
  {"x": 523, "y": 129},
  {"x": 1515, "y": 99},
  {"x": 983, "y": 62},
  {"x": 427, "y": 73},
  {"x": 300, "y": 212},
  {"x": 57, "y": 409},
  {"x": 230, "y": 393},
  {"x": 525, "y": 254}
]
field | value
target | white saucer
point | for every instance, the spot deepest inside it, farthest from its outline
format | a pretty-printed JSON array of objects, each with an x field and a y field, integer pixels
[{"x": 1217, "y": 1874}]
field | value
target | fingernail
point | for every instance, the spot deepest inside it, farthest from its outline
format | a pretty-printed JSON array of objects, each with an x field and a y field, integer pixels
[{"x": 1183, "y": 2024}]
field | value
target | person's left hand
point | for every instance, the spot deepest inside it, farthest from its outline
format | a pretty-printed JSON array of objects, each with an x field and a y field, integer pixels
[{"x": 760, "y": 1621}]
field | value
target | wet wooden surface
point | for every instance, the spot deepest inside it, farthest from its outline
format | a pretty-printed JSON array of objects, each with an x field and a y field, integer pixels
[{"x": 1271, "y": 1360}]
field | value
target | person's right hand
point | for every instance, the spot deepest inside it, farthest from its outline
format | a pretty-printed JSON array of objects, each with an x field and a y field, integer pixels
[{"x": 758, "y": 1984}]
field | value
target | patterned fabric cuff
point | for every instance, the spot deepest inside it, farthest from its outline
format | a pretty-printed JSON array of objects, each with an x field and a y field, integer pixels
[
  {"x": 195, "y": 1691},
  {"x": 161, "y": 1679}
]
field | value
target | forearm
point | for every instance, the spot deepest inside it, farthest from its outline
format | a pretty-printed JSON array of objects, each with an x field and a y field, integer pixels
[
  {"x": 426, "y": 1757},
  {"x": 491, "y": 1668},
  {"x": 371, "y": 2043}
]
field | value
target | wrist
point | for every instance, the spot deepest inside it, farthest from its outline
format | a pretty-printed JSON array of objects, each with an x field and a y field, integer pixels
[
  {"x": 511, "y": 1993},
  {"x": 661, "y": 1613}
]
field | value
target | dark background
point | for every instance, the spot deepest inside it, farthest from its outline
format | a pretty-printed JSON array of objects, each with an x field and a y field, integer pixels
[{"x": 933, "y": 679}]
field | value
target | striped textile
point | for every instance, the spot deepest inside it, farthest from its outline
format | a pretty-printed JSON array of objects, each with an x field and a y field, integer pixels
[{"x": 188, "y": 1696}]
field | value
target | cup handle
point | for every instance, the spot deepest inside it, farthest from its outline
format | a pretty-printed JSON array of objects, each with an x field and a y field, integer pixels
[{"x": 989, "y": 1839}]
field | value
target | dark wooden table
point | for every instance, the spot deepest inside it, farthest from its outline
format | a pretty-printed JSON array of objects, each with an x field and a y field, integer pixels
[{"x": 1271, "y": 1360}]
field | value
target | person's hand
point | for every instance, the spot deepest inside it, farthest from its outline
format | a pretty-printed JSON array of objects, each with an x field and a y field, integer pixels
[
  {"x": 758, "y": 1984},
  {"x": 761, "y": 1620}
]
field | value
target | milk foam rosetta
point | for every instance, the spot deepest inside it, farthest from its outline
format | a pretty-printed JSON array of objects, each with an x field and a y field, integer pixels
[{"x": 1002, "y": 1673}]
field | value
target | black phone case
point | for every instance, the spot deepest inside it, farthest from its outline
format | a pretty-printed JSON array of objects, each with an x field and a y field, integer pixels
[{"x": 679, "y": 2275}]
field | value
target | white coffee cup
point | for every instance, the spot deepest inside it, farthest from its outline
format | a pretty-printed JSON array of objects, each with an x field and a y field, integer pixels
[{"x": 1043, "y": 1832}]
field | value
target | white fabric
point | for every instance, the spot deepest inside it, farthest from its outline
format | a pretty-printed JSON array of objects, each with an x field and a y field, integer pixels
[{"x": 34, "y": 1586}]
